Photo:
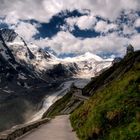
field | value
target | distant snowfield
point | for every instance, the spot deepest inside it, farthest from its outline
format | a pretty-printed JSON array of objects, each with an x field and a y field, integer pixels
[{"x": 50, "y": 99}]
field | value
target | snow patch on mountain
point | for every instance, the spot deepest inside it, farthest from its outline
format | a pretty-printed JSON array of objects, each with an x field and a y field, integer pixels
[
  {"x": 84, "y": 57},
  {"x": 21, "y": 76},
  {"x": 41, "y": 61}
]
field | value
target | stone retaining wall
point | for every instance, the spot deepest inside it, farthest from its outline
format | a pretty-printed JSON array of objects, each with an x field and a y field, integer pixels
[{"x": 20, "y": 130}]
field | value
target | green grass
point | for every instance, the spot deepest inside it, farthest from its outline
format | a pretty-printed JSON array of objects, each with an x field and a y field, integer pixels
[
  {"x": 58, "y": 106},
  {"x": 113, "y": 112}
]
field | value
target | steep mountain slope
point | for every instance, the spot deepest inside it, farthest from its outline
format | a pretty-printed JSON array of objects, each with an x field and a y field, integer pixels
[
  {"x": 20, "y": 52},
  {"x": 24, "y": 65},
  {"x": 31, "y": 78},
  {"x": 44, "y": 64},
  {"x": 21, "y": 89},
  {"x": 16, "y": 73},
  {"x": 113, "y": 111}
]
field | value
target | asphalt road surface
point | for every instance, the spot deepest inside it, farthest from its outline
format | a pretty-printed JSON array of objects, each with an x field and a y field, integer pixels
[{"x": 58, "y": 128}]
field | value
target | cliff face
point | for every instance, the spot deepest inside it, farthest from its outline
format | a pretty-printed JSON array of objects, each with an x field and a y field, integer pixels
[{"x": 113, "y": 111}]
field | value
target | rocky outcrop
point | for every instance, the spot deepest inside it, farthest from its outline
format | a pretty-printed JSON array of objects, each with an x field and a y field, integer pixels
[{"x": 130, "y": 49}]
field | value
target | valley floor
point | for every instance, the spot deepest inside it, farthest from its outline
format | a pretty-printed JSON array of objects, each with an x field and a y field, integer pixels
[{"x": 58, "y": 128}]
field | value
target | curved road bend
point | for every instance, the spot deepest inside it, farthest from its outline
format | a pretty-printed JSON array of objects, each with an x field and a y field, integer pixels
[{"x": 58, "y": 128}]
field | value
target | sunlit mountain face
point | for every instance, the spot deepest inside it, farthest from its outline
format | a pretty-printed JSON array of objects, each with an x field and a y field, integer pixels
[{"x": 73, "y": 28}]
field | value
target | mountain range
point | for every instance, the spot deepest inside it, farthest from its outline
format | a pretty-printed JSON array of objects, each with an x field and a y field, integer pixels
[
  {"x": 29, "y": 73},
  {"x": 29, "y": 61}
]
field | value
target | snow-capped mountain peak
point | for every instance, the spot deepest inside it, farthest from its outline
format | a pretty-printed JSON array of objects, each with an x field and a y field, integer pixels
[
  {"x": 84, "y": 57},
  {"x": 89, "y": 55},
  {"x": 16, "y": 45},
  {"x": 26, "y": 54},
  {"x": 44, "y": 62}
]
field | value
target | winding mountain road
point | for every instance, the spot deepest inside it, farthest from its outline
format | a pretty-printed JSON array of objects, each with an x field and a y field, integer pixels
[{"x": 58, "y": 128}]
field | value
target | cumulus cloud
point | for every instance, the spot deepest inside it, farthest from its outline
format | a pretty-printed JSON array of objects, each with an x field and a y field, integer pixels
[
  {"x": 14, "y": 12},
  {"x": 12, "y": 18},
  {"x": 137, "y": 23},
  {"x": 27, "y": 9},
  {"x": 65, "y": 42},
  {"x": 85, "y": 22},
  {"x": 111, "y": 43},
  {"x": 103, "y": 26},
  {"x": 135, "y": 40},
  {"x": 26, "y": 30},
  {"x": 129, "y": 30},
  {"x": 43, "y": 10}
]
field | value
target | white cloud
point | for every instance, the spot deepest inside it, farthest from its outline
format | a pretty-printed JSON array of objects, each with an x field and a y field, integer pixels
[
  {"x": 84, "y": 22},
  {"x": 135, "y": 41},
  {"x": 52, "y": 7},
  {"x": 43, "y": 10},
  {"x": 65, "y": 42},
  {"x": 11, "y": 18},
  {"x": 129, "y": 30},
  {"x": 103, "y": 26},
  {"x": 137, "y": 23},
  {"x": 26, "y": 30}
]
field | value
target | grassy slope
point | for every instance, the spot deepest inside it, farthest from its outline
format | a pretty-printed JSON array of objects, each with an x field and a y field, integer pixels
[
  {"x": 113, "y": 112},
  {"x": 64, "y": 105},
  {"x": 58, "y": 106}
]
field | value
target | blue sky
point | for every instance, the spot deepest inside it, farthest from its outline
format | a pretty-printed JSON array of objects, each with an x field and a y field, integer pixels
[{"x": 69, "y": 28}]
